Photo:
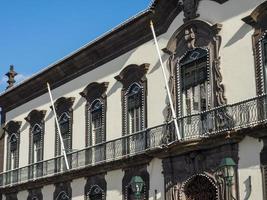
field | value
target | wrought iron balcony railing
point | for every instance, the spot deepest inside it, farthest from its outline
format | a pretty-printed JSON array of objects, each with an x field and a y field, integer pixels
[{"x": 241, "y": 115}]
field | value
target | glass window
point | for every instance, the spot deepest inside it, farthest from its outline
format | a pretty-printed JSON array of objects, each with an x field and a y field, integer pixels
[
  {"x": 64, "y": 122},
  {"x": 96, "y": 123},
  {"x": 96, "y": 193},
  {"x": 134, "y": 106},
  {"x": 194, "y": 82}
]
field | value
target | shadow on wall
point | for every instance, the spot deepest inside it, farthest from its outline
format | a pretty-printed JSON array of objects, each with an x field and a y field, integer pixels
[
  {"x": 157, "y": 65},
  {"x": 79, "y": 103},
  {"x": 49, "y": 116},
  {"x": 241, "y": 33},
  {"x": 82, "y": 82},
  {"x": 114, "y": 88},
  {"x": 24, "y": 127},
  {"x": 231, "y": 8},
  {"x": 248, "y": 187}
]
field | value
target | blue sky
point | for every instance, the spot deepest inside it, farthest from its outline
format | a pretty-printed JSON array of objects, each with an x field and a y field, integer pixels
[{"x": 35, "y": 33}]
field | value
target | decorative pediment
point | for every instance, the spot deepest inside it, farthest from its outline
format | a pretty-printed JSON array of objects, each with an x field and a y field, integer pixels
[
  {"x": 133, "y": 73},
  {"x": 191, "y": 35},
  {"x": 94, "y": 91},
  {"x": 12, "y": 127},
  {"x": 64, "y": 104},
  {"x": 35, "y": 116},
  {"x": 257, "y": 18}
]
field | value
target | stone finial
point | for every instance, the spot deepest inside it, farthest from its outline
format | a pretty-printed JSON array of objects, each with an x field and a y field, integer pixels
[{"x": 11, "y": 77}]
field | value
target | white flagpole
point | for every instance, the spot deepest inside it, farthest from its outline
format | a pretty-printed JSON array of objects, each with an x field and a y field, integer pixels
[
  {"x": 166, "y": 82},
  {"x": 58, "y": 127}
]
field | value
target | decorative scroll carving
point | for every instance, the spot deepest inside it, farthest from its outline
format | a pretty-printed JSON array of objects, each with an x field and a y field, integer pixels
[
  {"x": 218, "y": 86},
  {"x": 196, "y": 34},
  {"x": 202, "y": 163},
  {"x": 190, "y": 38},
  {"x": 190, "y": 9}
]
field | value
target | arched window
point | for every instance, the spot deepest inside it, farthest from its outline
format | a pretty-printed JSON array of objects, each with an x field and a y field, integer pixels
[
  {"x": 96, "y": 120},
  {"x": 134, "y": 82},
  {"x": 194, "y": 82},
  {"x": 63, "y": 191},
  {"x": 257, "y": 19},
  {"x": 95, "y": 193},
  {"x": 13, "y": 143},
  {"x": 64, "y": 111},
  {"x": 63, "y": 196},
  {"x": 135, "y": 106},
  {"x": 64, "y": 123},
  {"x": 200, "y": 187},
  {"x": 95, "y": 109},
  {"x": 37, "y": 143},
  {"x": 95, "y": 187},
  {"x": 13, "y": 146}
]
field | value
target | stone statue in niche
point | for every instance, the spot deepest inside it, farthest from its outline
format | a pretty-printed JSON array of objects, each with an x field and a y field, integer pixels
[
  {"x": 190, "y": 38},
  {"x": 190, "y": 9}
]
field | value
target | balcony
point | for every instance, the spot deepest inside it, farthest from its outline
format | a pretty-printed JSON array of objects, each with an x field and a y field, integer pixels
[{"x": 245, "y": 114}]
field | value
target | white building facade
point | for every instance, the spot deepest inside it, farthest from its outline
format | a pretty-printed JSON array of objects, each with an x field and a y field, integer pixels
[{"x": 115, "y": 118}]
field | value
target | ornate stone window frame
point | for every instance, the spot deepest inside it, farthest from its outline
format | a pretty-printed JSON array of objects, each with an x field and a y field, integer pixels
[
  {"x": 13, "y": 130},
  {"x": 95, "y": 92},
  {"x": 95, "y": 181},
  {"x": 35, "y": 194},
  {"x": 63, "y": 106},
  {"x": 62, "y": 189},
  {"x": 36, "y": 119},
  {"x": 133, "y": 74},
  {"x": 257, "y": 19},
  {"x": 190, "y": 36}
]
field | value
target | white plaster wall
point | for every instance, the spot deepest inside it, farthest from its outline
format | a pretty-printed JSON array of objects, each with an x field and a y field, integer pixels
[
  {"x": 77, "y": 186},
  {"x": 249, "y": 165},
  {"x": 48, "y": 192},
  {"x": 156, "y": 180},
  {"x": 23, "y": 195},
  {"x": 237, "y": 67},
  {"x": 237, "y": 61},
  {"x": 114, "y": 184}
]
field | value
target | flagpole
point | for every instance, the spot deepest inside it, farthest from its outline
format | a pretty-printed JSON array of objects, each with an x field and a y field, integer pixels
[
  {"x": 58, "y": 128},
  {"x": 166, "y": 82}
]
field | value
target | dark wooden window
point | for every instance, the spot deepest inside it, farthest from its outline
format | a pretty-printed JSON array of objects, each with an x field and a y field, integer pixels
[
  {"x": 64, "y": 123},
  {"x": 14, "y": 151},
  {"x": 194, "y": 82},
  {"x": 96, "y": 193},
  {"x": 95, "y": 187},
  {"x": 264, "y": 56},
  {"x": 96, "y": 112},
  {"x": 63, "y": 196},
  {"x": 37, "y": 139},
  {"x": 134, "y": 101}
]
